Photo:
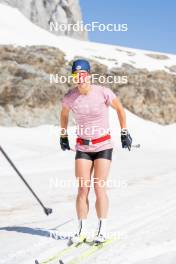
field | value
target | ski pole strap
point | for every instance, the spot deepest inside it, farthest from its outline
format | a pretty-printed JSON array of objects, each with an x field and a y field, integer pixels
[{"x": 88, "y": 142}]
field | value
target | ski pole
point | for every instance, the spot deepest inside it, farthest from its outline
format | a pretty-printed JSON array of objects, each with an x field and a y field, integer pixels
[{"x": 46, "y": 210}]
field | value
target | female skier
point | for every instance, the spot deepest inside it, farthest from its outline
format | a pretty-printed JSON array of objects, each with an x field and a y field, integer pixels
[{"x": 89, "y": 104}]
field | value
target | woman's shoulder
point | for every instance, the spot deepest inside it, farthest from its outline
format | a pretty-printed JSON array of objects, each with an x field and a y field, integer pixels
[
  {"x": 71, "y": 92},
  {"x": 100, "y": 88},
  {"x": 107, "y": 94},
  {"x": 69, "y": 98}
]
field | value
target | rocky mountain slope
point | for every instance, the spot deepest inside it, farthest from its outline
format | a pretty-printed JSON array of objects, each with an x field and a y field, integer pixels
[
  {"x": 42, "y": 12},
  {"x": 27, "y": 98}
]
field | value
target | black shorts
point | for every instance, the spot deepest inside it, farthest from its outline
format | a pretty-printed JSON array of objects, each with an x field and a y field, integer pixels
[{"x": 103, "y": 154}]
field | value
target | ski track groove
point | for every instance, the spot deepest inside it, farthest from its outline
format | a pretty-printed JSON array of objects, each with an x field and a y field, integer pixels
[
  {"x": 142, "y": 222},
  {"x": 132, "y": 234}
]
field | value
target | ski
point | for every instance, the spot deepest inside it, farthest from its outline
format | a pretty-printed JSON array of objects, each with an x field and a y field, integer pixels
[
  {"x": 61, "y": 253},
  {"x": 93, "y": 248}
]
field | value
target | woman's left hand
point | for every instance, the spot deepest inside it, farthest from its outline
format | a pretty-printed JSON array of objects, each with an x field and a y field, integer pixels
[{"x": 126, "y": 139}]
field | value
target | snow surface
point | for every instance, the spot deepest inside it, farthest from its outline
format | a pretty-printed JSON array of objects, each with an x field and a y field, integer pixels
[
  {"x": 17, "y": 29},
  {"x": 143, "y": 193}
]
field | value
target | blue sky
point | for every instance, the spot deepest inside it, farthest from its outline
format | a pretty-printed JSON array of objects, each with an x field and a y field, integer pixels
[{"x": 151, "y": 24}]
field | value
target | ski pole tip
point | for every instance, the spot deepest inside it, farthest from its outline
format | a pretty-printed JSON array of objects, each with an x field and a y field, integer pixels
[{"x": 48, "y": 211}]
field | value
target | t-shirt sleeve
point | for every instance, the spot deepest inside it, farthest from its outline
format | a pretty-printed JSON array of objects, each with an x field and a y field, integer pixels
[
  {"x": 109, "y": 95},
  {"x": 67, "y": 100}
]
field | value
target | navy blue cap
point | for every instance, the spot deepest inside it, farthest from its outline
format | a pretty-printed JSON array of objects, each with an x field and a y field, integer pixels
[{"x": 80, "y": 65}]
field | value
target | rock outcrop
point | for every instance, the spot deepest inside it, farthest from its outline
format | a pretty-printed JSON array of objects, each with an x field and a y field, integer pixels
[
  {"x": 42, "y": 12},
  {"x": 27, "y": 98}
]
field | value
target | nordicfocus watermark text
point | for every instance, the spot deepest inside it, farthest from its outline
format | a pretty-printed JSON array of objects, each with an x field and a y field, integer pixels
[
  {"x": 93, "y": 78},
  {"x": 57, "y": 183},
  {"x": 81, "y": 130},
  {"x": 89, "y": 27}
]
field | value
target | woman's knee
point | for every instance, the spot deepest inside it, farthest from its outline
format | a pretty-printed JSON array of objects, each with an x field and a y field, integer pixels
[
  {"x": 99, "y": 190},
  {"x": 83, "y": 192}
]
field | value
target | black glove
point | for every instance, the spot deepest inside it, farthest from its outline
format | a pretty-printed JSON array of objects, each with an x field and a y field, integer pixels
[
  {"x": 64, "y": 143},
  {"x": 126, "y": 139}
]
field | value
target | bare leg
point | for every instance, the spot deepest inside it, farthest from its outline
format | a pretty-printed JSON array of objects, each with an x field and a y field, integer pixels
[
  {"x": 101, "y": 170},
  {"x": 83, "y": 169}
]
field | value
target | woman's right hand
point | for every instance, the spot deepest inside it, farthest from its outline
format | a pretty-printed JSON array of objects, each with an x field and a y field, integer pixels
[{"x": 64, "y": 143}]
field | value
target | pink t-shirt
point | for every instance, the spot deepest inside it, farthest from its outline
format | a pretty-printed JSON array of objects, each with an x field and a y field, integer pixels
[{"x": 91, "y": 115}]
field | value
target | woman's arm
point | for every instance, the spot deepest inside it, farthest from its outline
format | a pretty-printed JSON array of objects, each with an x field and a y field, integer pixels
[
  {"x": 116, "y": 104},
  {"x": 64, "y": 142},
  {"x": 125, "y": 136},
  {"x": 64, "y": 116}
]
